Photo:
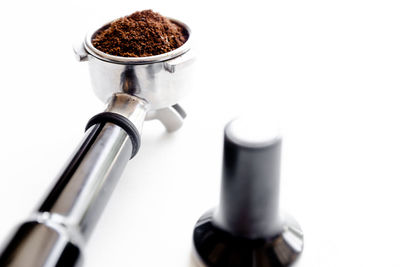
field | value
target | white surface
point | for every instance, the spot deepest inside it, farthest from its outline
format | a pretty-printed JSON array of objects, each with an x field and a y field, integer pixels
[{"x": 330, "y": 69}]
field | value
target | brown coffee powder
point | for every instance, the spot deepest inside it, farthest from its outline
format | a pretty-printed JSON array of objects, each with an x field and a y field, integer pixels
[{"x": 141, "y": 34}]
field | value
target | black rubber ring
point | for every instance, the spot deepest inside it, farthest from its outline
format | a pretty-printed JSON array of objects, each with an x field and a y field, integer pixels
[{"x": 122, "y": 122}]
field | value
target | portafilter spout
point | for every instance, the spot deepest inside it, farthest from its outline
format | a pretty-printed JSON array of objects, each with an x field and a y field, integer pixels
[{"x": 135, "y": 90}]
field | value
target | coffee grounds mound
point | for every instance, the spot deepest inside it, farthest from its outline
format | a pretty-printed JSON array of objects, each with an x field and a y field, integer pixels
[{"x": 144, "y": 33}]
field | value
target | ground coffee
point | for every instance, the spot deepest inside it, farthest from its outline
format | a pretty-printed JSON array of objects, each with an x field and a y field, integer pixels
[{"x": 144, "y": 33}]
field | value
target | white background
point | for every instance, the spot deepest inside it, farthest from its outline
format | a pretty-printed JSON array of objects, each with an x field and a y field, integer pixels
[{"x": 328, "y": 70}]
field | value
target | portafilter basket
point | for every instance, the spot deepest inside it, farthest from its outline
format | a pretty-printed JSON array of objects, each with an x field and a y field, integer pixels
[{"x": 160, "y": 80}]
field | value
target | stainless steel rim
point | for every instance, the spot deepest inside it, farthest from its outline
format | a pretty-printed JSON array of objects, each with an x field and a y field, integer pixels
[{"x": 137, "y": 60}]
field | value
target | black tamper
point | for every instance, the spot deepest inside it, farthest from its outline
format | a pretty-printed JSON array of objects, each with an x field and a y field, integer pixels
[{"x": 247, "y": 229}]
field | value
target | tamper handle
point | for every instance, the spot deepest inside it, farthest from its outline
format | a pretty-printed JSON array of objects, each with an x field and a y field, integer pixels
[{"x": 249, "y": 203}]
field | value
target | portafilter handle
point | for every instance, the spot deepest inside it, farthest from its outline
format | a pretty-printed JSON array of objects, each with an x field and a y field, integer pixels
[{"x": 56, "y": 232}]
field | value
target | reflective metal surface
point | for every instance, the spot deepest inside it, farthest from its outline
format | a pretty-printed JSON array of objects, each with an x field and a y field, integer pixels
[
  {"x": 39, "y": 245},
  {"x": 171, "y": 117},
  {"x": 161, "y": 80},
  {"x": 87, "y": 182},
  {"x": 131, "y": 107}
]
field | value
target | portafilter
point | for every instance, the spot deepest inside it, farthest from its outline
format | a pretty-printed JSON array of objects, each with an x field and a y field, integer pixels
[{"x": 135, "y": 90}]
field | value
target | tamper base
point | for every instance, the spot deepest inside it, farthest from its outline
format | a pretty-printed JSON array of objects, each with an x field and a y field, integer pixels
[{"x": 218, "y": 248}]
